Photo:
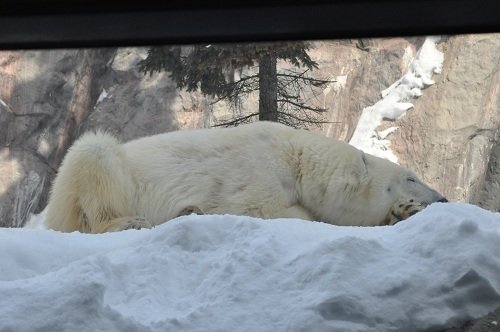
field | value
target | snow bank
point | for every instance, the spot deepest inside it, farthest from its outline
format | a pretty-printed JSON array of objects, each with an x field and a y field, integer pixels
[
  {"x": 228, "y": 273},
  {"x": 394, "y": 103}
]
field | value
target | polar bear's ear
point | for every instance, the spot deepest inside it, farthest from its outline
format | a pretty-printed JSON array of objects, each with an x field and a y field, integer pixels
[
  {"x": 364, "y": 167},
  {"x": 356, "y": 176},
  {"x": 363, "y": 157}
]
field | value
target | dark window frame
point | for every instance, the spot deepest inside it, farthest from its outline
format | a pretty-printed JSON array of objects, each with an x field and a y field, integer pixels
[{"x": 32, "y": 24}]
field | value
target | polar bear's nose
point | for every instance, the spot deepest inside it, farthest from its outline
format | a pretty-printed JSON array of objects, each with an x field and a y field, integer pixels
[{"x": 443, "y": 200}]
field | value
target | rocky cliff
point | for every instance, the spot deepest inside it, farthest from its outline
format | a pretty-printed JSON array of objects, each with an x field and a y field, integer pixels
[
  {"x": 450, "y": 137},
  {"x": 453, "y": 137}
]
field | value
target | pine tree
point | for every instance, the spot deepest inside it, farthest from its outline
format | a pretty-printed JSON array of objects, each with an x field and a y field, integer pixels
[{"x": 208, "y": 68}]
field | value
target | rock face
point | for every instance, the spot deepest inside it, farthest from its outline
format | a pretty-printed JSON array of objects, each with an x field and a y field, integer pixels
[
  {"x": 35, "y": 89},
  {"x": 131, "y": 104},
  {"x": 49, "y": 98},
  {"x": 450, "y": 138}
]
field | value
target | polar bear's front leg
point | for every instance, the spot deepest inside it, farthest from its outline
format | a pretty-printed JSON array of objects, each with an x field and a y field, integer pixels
[
  {"x": 402, "y": 210},
  {"x": 121, "y": 224}
]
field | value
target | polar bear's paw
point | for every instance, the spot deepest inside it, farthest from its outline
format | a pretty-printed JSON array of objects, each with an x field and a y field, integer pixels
[
  {"x": 137, "y": 223},
  {"x": 190, "y": 210},
  {"x": 402, "y": 210},
  {"x": 123, "y": 223}
]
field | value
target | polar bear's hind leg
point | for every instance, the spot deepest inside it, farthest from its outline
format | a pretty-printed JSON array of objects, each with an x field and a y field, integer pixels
[{"x": 94, "y": 189}]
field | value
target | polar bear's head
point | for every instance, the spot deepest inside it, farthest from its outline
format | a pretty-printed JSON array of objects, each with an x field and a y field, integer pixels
[{"x": 399, "y": 192}]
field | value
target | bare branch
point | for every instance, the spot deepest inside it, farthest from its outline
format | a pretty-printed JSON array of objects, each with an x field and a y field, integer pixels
[
  {"x": 307, "y": 119},
  {"x": 236, "y": 121},
  {"x": 303, "y": 106}
]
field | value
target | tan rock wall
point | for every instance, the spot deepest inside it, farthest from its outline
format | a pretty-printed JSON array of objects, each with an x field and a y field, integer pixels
[{"x": 451, "y": 135}]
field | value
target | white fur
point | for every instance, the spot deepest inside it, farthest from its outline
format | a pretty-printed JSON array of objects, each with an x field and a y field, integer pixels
[{"x": 263, "y": 169}]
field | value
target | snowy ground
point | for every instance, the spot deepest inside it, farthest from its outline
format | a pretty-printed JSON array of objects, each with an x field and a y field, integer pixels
[{"x": 226, "y": 273}]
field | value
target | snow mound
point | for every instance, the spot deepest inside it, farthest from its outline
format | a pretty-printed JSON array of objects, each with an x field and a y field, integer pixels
[{"x": 228, "y": 273}]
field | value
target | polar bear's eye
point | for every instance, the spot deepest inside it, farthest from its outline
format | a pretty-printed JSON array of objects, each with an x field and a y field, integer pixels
[{"x": 410, "y": 179}]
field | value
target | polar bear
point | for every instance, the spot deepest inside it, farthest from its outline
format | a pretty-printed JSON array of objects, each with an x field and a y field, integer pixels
[{"x": 263, "y": 169}]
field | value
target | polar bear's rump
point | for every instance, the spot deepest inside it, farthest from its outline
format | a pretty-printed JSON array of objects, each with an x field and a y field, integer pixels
[{"x": 94, "y": 188}]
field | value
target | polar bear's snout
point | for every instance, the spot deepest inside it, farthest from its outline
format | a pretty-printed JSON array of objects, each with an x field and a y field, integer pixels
[
  {"x": 440, "y": 199},
  {"x": 437, "y": 199},
  {"x": 421, "y": 192}
]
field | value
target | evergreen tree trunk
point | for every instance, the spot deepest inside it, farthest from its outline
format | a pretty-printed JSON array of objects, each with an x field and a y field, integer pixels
[{"x": 268, "y": 88}]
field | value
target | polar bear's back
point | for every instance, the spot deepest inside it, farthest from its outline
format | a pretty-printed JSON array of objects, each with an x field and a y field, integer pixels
[
  {"x": 257, "y": 145},
  {"x": 214, "y": 137},
  {"x": 205, "y": 166}
]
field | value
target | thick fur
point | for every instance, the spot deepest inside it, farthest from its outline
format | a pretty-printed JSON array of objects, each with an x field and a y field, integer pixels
[{"x": 263, "y": 169}]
